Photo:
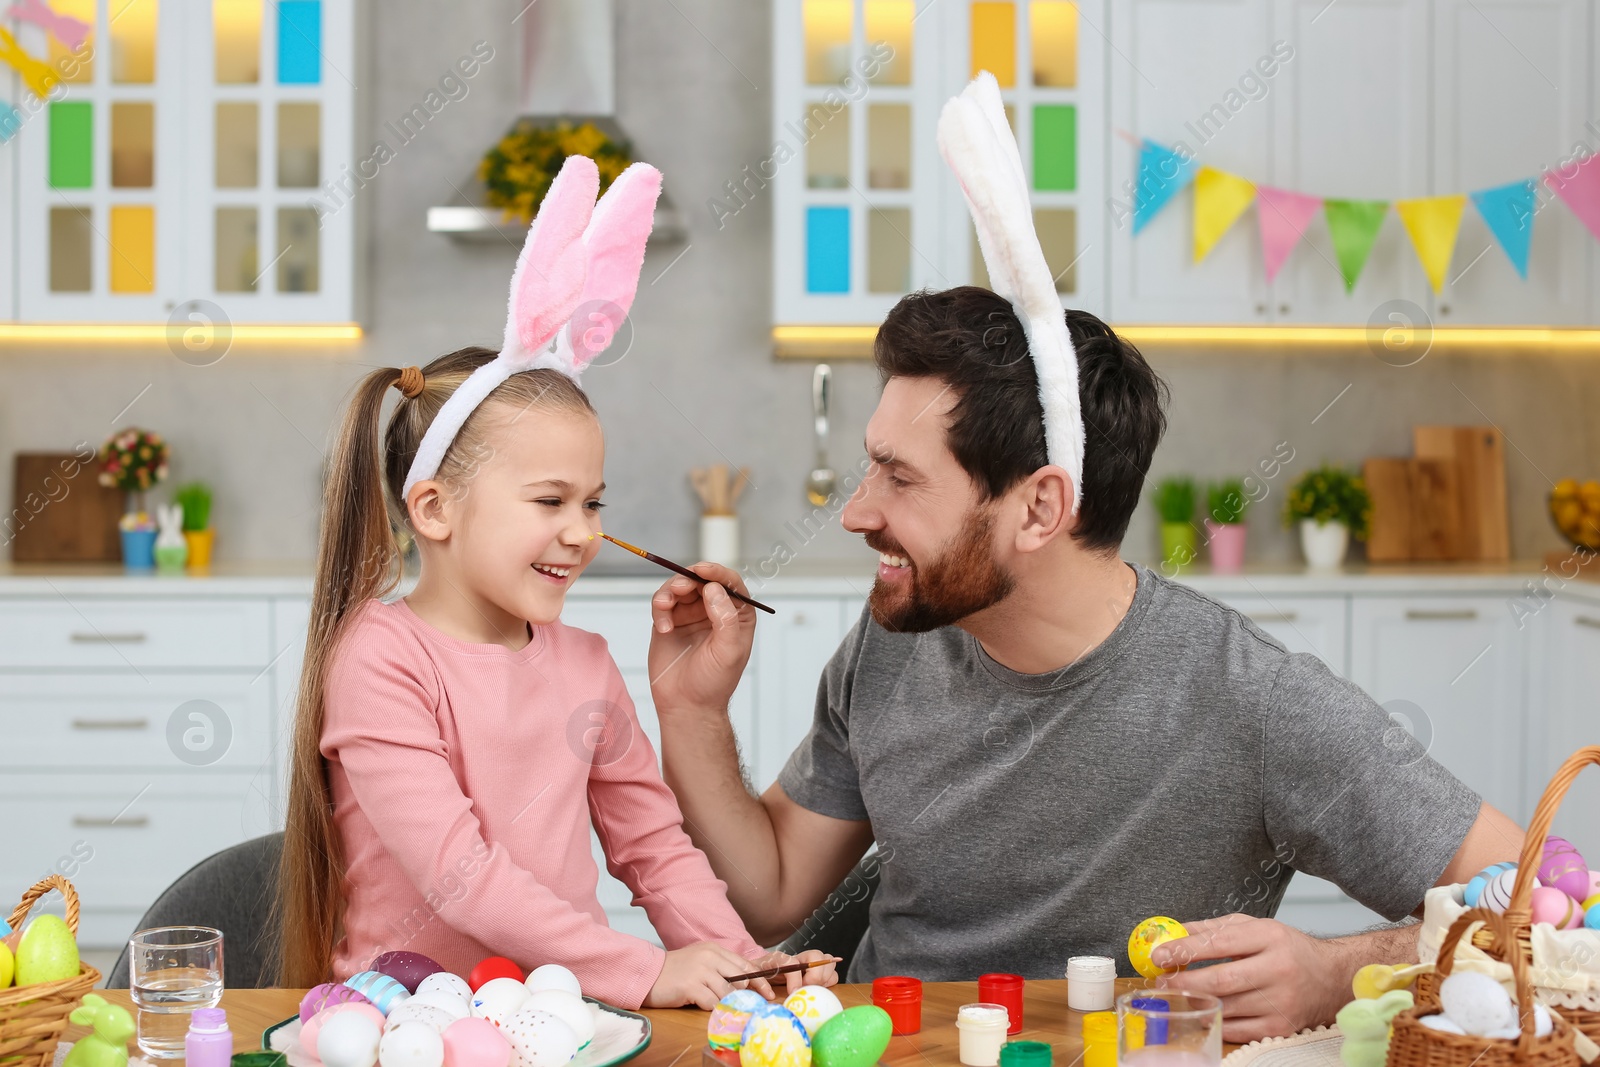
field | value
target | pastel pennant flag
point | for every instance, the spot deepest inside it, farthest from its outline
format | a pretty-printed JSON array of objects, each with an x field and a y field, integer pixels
[
  {"x": 1579, "y": 187},
  {"x": 1354, "y": 225},
  {"x": 1508, "y": 212},
  {"x": 1219, "y": 199},
  {"x": 1162, "y": 173},
  {"x": 1432, "y": 222},
  {"x": 1283, "y": 217}
]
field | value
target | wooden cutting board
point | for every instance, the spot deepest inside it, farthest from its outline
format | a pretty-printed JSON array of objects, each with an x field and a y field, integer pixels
[
  {"x": 1415, "y": 510},
  {"x": 60, "y": 513},
  {"x": 1479, "y": 455},
  {"x": 1389, "y": 485}
]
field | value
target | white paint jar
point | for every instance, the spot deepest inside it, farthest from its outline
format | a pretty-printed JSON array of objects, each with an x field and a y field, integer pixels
[
  {"x": 1091, "y": 983},
  {"x": 982, "y": 1028}
]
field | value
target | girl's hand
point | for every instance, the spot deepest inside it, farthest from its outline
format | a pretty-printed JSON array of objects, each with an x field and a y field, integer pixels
[
  {"x": 695, "y": 975},
  {"x": 699, "y": 642}
]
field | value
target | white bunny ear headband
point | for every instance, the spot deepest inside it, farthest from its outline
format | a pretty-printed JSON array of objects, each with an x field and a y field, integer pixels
[
  {"x": 574, "y": 283},
  {"x": 976, "y": 142}
]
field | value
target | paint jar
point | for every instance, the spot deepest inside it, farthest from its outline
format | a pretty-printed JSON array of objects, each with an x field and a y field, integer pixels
[
  {"x": 1026, "y": 1054},
  {"x": 982, "y": 1029},
  {"x": 1091, "y": 983},
  {"x": 901, "y": 997},
  {"x": 1005, "y": 990},
  {"x": 1100, "y": 1039},
  {"x": 208, "y": 1042}
]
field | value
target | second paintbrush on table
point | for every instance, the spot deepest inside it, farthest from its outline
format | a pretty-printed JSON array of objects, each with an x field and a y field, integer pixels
[{"x": 685, "y": 571}]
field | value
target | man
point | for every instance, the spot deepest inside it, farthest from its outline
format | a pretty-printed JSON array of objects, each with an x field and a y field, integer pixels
[{"x": 1048, "y": 744}]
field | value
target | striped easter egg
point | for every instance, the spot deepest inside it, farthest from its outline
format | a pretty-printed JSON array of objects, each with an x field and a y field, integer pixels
[
  {"x": 384, "y": 992},
  {"x": 1497, "y": 894}
]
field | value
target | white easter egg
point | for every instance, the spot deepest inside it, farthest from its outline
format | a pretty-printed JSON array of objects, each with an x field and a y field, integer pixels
[
  {"x": 1541, "y": 1026},
  {"x": 445, "y": 982},
  {"x": 1441, "y": 1023},
  {"x": 498, "y": 999},
  {"x": 567, "y": 1007},
  {"x": 813, "y": 1005},
  {"x": 1496, "y": 894},
  {"x": 553, "y": 976},
  {"x": 430, "y": 1015},
  {"x": 348, "y": 1040},
  {"x": 443, "y": 999},
  {"x": 1476, "y": 1003},
  {"x": 411, "y": 1044},
  {"x": 539, "y": 1039}
]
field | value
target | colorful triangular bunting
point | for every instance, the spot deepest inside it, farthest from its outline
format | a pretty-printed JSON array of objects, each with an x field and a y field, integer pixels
[
  {"x": 1433, "y": 222},
  {"x": 1580, "y": 190},
  {"x": 1162, "y": 172},
  {"x": 1508, "y": 212},
  {"x": 1354, "y": 225},
  {"x": 1283, "y": 217},
  {"x": 1219, "y": 199}
]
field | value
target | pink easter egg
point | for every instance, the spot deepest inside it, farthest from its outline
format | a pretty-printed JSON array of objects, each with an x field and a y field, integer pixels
[
  {"x": 1551, "y": 905},
  {"x": 313, "y": 1026},
  {"x": 326, "y": 995},
  {"x": 1563, "y": 869},
  {"x": 475, "y": 1043},
  {"x": 1594, "y": 882}
]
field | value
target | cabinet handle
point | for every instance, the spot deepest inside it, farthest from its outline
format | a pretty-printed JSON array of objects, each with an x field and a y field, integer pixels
[
  {"x": 1283, "y": 309},
  {"x": 1422, "y": 615},
  {"x": 1589, "y": 621},
  {"x": 132, "y": 822},
  {"x": 799, "y": 618},
  {"x": 1272, "y": 616},
  {"x": 1261, "y": 309},
  {"x": 110, "y": 724},
  {"x": 130, "y": 638}
]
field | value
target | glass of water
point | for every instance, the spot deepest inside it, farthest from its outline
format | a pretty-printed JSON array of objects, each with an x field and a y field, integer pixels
[
  {"x": 1168, "y": 1028},
  {"x": 172, "y": 971}
]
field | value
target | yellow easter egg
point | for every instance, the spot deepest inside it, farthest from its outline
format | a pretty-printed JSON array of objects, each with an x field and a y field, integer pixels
[
  {"x": 5, "y": 966},
  {"x": 1146, "y": 936}
]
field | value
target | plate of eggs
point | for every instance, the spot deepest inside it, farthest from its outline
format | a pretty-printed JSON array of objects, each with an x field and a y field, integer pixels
[{"x": 407, "y": 1011}]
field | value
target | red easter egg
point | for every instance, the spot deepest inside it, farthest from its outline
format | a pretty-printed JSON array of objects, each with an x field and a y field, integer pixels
[{"x": 494, "y": 967}]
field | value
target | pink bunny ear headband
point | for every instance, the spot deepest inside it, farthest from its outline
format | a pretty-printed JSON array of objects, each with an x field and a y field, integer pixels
[
  {"x": 976, "y": 142},
  {"x": 574, "y": 283}
]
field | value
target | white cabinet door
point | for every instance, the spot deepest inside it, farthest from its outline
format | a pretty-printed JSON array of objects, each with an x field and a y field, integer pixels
[
  {"x": 1511, "y": 79},
  {"x": 1567, "y": 687},
  {"x": 792, "y": 647},
  {"x": 1351, "y": 120},
  {"x": 1317, "y": 625},
  {"x": 1454, "y": 667},
  {"x": 1175, "y": 75}
]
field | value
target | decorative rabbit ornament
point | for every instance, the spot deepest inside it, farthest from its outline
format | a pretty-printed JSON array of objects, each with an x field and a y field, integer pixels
[
  {"x": 574, "y": 283},
  {"x": 171, "y": 550},
  {"x": 976, "y": 142}
]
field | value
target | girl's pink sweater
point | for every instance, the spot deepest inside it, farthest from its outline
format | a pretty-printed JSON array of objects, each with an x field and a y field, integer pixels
[{"x": 464, "y": 779}]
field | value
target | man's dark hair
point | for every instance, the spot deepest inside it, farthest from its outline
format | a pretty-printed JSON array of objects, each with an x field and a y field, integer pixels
[{"x": 970, "y": 339}]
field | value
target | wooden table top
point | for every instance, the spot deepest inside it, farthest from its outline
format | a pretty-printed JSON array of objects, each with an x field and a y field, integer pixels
[{"x": 678, "y": 1034}]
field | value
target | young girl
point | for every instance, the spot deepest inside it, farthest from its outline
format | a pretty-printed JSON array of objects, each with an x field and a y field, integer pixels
[{"x": 446, "y": 765}]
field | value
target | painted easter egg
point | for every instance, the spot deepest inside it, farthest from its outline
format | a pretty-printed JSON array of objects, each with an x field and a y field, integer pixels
[
  {"x": 1594, "y": 881},
  {"x": 475, "y": 1043},
  {"x": 1146, "y": 936},
  {"x": 1497, "y": 894},
  {"x": 312, "y": 1027},
  {"x": 326, "y": 995},
  {"x": 499, "y": 999},
  {"x": 407, "y": 968},
  {"x": 1551, "y": 905},
  {"x": 411, "y": 1044},
  {"x": 813, "y": 1005},
  {"x": 493, "y": 967},
  {"x": 349, "y": 1039},
  {"x": 539, "y": 1039},
  {"x": 1474, "y": 888},
  {"x": 553, "y": 976},
  {"x": 568, "y": 1007},
  {"x": 444, "y": 1000},
  {"x": 48, "y": 952},
  {"x": 725, "y": 1028},
  {"x": 420, "y": 1011},
  {"x": 445, "y": 982},
  {"x": 383, "y": 991},
  {"x": 1591, "y": 916},
  {"x": 1562, "y": 868},
  {"x": 774, "y": 1038},
  {"x": 1476, "y": 1002},
  {"x": 856, "y": 1037}
]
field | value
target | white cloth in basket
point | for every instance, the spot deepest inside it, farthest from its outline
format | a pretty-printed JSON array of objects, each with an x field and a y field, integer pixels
[{"x": 1566, "y": 963}]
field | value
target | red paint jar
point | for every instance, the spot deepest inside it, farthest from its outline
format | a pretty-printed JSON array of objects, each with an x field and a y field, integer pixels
[
  {"x": 1005, "y": 990},
  {"x": 901, "y": 997}
]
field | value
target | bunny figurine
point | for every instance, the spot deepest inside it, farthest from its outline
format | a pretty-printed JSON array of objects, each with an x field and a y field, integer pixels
[
  {"x": 108, "y": 1045},
  {"x": 172, "y": 551}
]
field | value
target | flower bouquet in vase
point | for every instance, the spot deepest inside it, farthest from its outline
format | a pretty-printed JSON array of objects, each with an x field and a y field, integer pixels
[
  {"x": 133, "y": 460},
  {"x": 1330, "y": 505}
]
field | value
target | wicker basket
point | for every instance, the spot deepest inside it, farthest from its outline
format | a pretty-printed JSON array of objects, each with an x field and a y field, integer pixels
[
  {"x": 1586, "y": 1015},
  {"x": 1415, "y": 1045},
  {"x": 33, "y": 1017}
]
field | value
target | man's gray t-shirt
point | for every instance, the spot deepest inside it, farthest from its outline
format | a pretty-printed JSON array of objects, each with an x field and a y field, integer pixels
[{"x": 1184, "y": 767}]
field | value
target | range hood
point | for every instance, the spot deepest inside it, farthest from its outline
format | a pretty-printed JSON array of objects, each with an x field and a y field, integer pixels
[{"x": 568, "y": 74}]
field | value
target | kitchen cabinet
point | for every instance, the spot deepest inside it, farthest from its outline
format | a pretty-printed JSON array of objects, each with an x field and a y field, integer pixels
[
  {"x": 1316, "y": 625},
  {"x": 1565, "y": 686}
]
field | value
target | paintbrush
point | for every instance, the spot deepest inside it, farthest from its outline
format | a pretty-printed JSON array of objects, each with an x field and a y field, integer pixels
[
  {"x": 685, "y": 571},
  {"x": 773, "y": 972}
]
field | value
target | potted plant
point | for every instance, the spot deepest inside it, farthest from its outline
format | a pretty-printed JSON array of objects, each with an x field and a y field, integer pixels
[
  {"x": 195, "y": 498},
  {"x": 1330, "y": 504},
  {"x": 518, "y": 170},
  {"x": 1225, "y": 529},
  {"x": 133, "y": 460},
  {"x": 1174, "y": 499}
]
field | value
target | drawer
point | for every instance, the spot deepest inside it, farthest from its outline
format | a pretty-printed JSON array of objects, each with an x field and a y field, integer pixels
[
  {"x": 122, "y": 839},
  {"x": 164, "y": 723},
  {"x": 624, "y": 624},
  {"x": 73, "y": 632}
]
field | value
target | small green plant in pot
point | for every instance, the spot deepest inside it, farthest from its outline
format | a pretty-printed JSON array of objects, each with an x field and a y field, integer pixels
[
  {"x": 197, "y": 533},
  {"x": 1329, "y": 505},
  {"x": 1226, "y": 504},
  {"x": 1174, "y": 500}
]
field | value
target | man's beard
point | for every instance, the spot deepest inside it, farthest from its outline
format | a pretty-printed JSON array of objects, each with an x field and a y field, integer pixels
[{"x": 964, "y": 580}]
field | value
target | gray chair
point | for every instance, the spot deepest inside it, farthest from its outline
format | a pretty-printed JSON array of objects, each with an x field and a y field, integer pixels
[
  {"x": 838, "y": 926},
  {"x": 234, "y": 892}
]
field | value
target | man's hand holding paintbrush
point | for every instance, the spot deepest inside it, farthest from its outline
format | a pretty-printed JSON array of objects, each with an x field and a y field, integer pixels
[{"x": 700, "y": 640}]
